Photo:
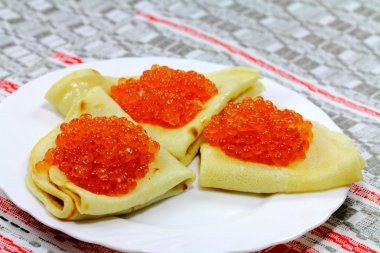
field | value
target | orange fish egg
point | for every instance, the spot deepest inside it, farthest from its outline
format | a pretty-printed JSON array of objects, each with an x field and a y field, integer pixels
[
  {"x": 163, "y": 96},
  {"x": 104, "y": 155},
  {"x": 257, "y": 131}
]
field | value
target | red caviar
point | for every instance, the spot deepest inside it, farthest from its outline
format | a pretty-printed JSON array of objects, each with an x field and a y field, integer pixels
[
  {"x": 104, "y": 155},
  {"x": 164, "y": 96},
  {"x": 256, "y": 131}
]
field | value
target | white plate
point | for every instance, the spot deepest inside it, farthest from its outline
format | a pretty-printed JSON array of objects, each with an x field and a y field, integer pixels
[{"x": 196, "y": 221}]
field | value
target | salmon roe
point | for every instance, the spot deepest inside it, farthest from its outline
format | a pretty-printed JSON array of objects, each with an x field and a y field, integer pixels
[
  {"x": 256, "y": 131},
  {"x": 163, "y": 96},
  {"x": 104, "y": 155}
]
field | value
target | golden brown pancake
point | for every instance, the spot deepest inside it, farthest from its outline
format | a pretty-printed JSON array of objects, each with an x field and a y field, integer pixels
[
  {"x": 331, "y": 161},
  {"x": 65, "y": 200}
]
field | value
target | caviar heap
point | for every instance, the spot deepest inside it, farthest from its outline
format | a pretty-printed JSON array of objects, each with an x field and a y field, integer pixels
[
  {"x": 104, "y": 155},
  {"x": 164, "y": 96},
  {"x": 256, "y": 131}
]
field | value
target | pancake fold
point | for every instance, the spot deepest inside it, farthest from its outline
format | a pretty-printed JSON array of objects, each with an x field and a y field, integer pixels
[
  {"x": 65, "y": 200},
  {"x": 331, "y": 161}
]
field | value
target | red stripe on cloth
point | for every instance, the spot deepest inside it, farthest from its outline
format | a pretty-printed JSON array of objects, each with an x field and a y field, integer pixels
[
  {"x": 234, "y": 50},
  {"x": 8, "y": 86},
  {"x": 292, "y": 246},
  {"x": 277, "y": 249},
  {"x": 65, "y": 58},
  {"x": 302, "y": 247},
  {"x": 365, "y": 193},
  {"x": 343, "y": 241},
  {"x": 8, "y": 207},
  {"x": 7, "y": 245}
]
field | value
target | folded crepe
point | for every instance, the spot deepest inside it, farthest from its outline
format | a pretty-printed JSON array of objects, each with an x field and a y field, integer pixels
[
  {"x": 182, "y": 142},
  {"x": 65, "y": 200},
  {"x": 331, "y": 160}
]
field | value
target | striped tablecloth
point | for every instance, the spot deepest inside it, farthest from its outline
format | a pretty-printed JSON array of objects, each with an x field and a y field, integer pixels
[{"x": 329, "y": 51}]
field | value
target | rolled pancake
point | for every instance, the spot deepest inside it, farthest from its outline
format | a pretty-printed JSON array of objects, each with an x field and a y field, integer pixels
[
  {"x": 331, "y": 161},
  {"x": 183, "y": 142},
  {"x": 63, "y": 199}
]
